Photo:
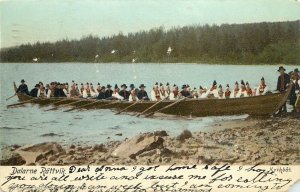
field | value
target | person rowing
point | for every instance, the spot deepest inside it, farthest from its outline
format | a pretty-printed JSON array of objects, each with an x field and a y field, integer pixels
[
  {"x": 213, "y": 92},
  {"x": 124, "y": 93},
  {"x": 102, "y": 94},
  {"x": 227, "y": 92},
  {"x": 23, "y": 88},
  {"x": 262, "y": 88},
  {"x": 184, "y": 92},
  {"x": 133, "y": 93},
  {"x": 155, "y": 93},
  {"x": 174, "y": 95},
  {"x": 115, "y": 94},
  {"x": 221, "y": 92},
  {"x": 142, "y": 94},
  {"x": 108, "y": 92},
  {"x": 235, "y": 90}
]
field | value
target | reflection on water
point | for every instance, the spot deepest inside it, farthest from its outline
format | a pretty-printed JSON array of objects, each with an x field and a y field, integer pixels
[{"x": 31, "y": 124}]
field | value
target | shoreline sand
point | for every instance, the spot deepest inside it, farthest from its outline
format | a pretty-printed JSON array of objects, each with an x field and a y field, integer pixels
[{"x": 272, "y": 141}]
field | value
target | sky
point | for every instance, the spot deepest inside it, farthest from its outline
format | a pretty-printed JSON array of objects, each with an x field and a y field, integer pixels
[{"x": 29, "y": 21}]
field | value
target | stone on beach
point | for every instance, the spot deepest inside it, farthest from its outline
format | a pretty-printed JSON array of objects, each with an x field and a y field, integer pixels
[
  {"x": 137, "y": 145},
  {"x": 184, "y": 135},
  {"x": 33, "y": 153}
]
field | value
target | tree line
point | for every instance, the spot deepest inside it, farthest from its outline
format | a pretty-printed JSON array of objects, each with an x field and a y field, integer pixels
[{"x": 267, "y": 42}]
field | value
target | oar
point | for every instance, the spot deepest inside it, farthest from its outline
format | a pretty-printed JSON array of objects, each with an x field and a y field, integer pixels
[
  {"x": 89, "y": 104},
  {"x": 127, "y": 108},
  {"x": 172, "y": 104},
  {"x": 151, "y": 106},
  {"x": 16, "y": 104},
  {"x": 284, "y": 99},
  {"x": 56, "y": 102},
  {"x": 11, "y": 97},
  {"x": 74, "y": 102}
]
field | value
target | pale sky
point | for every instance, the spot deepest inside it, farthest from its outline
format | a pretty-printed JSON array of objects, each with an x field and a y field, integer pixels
[{"x": 24, "y": 21}]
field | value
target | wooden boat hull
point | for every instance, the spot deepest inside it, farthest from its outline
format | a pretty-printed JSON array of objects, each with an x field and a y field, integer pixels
[{"x": 253, "y": 106}]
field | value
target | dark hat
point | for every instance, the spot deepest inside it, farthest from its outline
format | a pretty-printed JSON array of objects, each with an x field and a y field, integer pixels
[
  {"x": 227, "y": 85},
  {"x": 87, "y": 83},
  {"x": 98, "y": 84},
  {"x": 67, "y": 83},
  {"x": 247, "y": 83},
  {"x": 183, "y": 86},
  {"x": 156, "y": 83},
  {"x": 37, "y": 85},
  {"x": 296, "y": 70},
  {"x": 116, "y": 86},
  {"x": 236, "y": 83},
  {"x": 108, "y": 86},
  {"x": 194, "y": 88},
  {"x": 215, "y": 82},
  {"x": 160, "y": 84},
  {"x": 142, "y": 85},
  {"x": 174, "y": 85},
  {"x": 281, "y": 68},
  {"x": 73, "y": 81},
  {"x": 22, "y": 81},
  {"x": 103, "y": 87},
  {"x": 131, "y": 86},
  {"x": 242, "y": 82},
  {"x": 220, "y": 86},
  {"x": 262, "y": 79},
  {"x": 91, "y": 83},
  {"x": 124, "y": 85},
  {"x": 41, "y": 83},
  {"x": 201, "y": 87},
  {"x": 81, "y": 83},
  {"x": 167, "y": 84}
]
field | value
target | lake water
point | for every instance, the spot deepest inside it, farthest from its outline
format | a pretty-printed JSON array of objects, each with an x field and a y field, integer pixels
[{"x": 27, "y": 124}]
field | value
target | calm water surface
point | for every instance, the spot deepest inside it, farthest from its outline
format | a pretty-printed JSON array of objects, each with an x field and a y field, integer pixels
[{"x": 26, "y": 125}]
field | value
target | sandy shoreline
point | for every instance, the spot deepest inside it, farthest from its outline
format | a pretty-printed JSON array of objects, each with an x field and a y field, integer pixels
[{"x": 252, "y": 141}]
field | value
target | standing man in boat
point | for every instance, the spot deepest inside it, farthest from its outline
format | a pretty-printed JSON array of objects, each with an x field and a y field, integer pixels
[
  {"x": 220, "y": 92},
  {"x": 142, "y": 94},
  {"x": 168, "y": 90},
  {"x": 283, "y": 81},
  {"x": 248, "y": 89},
  {"x": 23, "y": 88},
  {"x": 124, "y": 93},
  {"x": 155, "y": 93}
]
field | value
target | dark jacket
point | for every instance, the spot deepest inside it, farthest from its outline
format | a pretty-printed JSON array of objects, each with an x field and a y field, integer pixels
[
  {"x": 34, "y": 92},
  {"x": 185, "y": 93},
  {"x": 286, "y": 79},
  {"x": 101, "y": 95},
  {"x": 124, "y": 94},
  {"x": 23, "y": 89},
  {"x": 59, "y": 93},
  {"x": 108, "y": 93},
  {"x": 293, "y": 96},
  {"x": 141, "y": 94}
]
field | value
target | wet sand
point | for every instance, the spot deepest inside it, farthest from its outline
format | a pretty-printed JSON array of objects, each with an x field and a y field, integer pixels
[{"x": 269, "y": 141}]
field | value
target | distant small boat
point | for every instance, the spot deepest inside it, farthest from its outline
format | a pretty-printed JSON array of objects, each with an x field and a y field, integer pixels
[{"x": 256, "y": 106}]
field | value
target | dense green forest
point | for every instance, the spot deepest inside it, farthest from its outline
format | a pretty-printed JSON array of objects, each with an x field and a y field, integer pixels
[{"x": 269, "y": 43}]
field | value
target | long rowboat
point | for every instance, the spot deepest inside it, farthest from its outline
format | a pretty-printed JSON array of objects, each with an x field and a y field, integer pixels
[{"x": 254, "y": 106}]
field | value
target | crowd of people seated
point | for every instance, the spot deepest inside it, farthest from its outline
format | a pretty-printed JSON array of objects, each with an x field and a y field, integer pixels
[{"x": 159, "y": 91}]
